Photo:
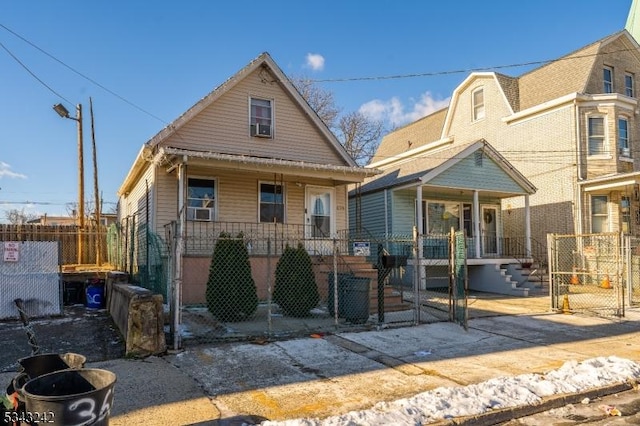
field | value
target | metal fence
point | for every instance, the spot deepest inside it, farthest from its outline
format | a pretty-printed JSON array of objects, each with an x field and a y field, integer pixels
[
  {"x": 86, "y": 246},
  {"x": 135, "y": 249},
  {"x": 267, "y": 282},
  {"x": 596, "y": 274},
  {"x": 30, "y": 275}
]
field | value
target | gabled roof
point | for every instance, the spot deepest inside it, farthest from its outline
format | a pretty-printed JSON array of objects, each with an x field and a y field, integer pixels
[
  {"x": 411, "y": 136},
  {"x": 263, "y": 60},
  {"x": 151, "y": 147},
  {"x": 422, "y": 169}
]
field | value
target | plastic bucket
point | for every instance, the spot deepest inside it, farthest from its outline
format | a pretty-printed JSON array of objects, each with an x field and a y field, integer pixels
[
  {"x": 37, "y": 365},
  {"x": 95, "y": 296},
  {"x": 72, "y": 397}
]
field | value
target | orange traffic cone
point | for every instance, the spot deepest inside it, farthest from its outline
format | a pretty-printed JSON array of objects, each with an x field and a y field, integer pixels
[
  {"x": 574, "y": 278},
  {"x": 605, "y": 282},
  {"x": 565, "y": 305}
]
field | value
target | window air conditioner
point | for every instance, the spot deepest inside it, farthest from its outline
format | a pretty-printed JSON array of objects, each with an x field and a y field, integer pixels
[
  {"x": 261, "y": 130},
  {"x": 202, "y": 214}
]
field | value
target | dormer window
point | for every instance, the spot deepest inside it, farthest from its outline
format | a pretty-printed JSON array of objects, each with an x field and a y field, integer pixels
[
  {"x": 607, "y": 76},
  {"x": 261, "y": 121},
  {"x": 477, "y": 98}
]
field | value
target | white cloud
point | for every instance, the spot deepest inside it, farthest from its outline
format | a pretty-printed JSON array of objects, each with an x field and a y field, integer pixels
[
  {"x": 394, "y": 112},
  {"x": 5, "y": 170},
  {"x": 315, "y": 61}
]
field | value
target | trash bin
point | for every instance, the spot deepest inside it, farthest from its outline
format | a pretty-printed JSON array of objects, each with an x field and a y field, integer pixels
[
  {"x": 356, "y": 299},
  {"x": 37, "y": 365},
  {"x": 70, "y": 397},
  {"x": 342, "y": 283},
  {"x": 95, "y": 294}
]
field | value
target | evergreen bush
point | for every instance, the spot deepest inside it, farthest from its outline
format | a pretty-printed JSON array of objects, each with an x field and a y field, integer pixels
[
  {"x": 295, "y": 289},
  {"x": 231, "y": 291}
]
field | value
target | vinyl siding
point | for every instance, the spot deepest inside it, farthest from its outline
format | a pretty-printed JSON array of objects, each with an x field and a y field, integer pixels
[
  {"x": 224, "y": 126},
  {"x": 238, "y": 199},
  {"x": 372, "y": 219},
  {"x": 466, "y": 174},
  {"x": 136, "y": 201}
]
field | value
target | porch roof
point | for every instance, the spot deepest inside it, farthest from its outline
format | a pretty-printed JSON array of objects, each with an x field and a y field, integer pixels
[
  {"x": 425, "y": 168},
  {"x": 348, "y": 174},
  {"x": 611, "y": 182}
]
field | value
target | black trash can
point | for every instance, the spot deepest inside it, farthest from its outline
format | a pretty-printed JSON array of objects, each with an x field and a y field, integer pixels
[
  {"x": 70, "y": 397},
  {"x": 356, "y": 299},
  {"x": 343, "y": 278}
]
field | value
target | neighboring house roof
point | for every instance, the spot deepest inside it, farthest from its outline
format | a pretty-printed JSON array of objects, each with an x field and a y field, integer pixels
[
  {"x": 421, "y": 170},
  {"x": 564, "y": 76},
  {"x": 411, "y": 136},
  {"x": 152, "y": 147}
]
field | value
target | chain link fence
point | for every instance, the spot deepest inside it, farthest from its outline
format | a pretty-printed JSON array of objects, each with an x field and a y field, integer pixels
[
  {"x": 30, "y": 279},
  {"x": 587, "y": 273},
  {"x": 264, "y": 282}
]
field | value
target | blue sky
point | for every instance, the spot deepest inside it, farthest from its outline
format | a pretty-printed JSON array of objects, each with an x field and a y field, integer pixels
[{"x": 145, "y": 63}]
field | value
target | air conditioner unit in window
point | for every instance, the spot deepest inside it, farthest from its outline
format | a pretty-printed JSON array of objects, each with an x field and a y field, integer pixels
[
  {"x": 625, "y": 152},
  {"x": 202, "y": 214},
  {"x": 261, "y": 130}
]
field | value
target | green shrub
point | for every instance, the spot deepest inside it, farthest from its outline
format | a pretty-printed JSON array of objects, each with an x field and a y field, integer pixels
[
  {"x": 295, "y": 288},
  {"x": 231, "y": 291}
]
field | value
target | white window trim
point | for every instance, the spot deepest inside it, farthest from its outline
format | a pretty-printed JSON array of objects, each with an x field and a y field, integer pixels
[
  {"x": 474, "y": 107},
  {"x": 633, "y": 84},
  {"x": 215, "y": 197},
  {"x": 604, "y": 82},
  {"x": 628, "y": 154},
  {"x": 608, "y": 213},
  {"x": 284, "y": 199},
  {"x": 605, "y": 142},
  {"x": 272, "y": 119}
]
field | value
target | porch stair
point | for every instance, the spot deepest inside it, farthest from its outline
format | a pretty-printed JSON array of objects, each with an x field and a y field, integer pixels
[
  {"x": 360, "y": 267},
  {"x": 529, "y": 276},
  {"x": 511, "y": 286}
]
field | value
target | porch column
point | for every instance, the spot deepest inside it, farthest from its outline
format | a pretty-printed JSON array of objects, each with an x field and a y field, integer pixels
[
  {"x": 419, "y": 214},
  {"x": 177, "y": 287},
  {"x": 476, "y": 222},
  {"x": 527, "y": 225}
]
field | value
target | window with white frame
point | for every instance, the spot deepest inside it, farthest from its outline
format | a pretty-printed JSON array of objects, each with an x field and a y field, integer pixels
[
  {"x": 623, "y": 137},
  {"x": 625, "y": 214},
  {"x": 271, "y": 203},
  {"x": 607, "y": 77},
  {"x": 599, "y": 213},
  {"x": 261, "y": 120},
  {"x": 478, "y": 104},
  {"x": 596, "y": 134},
  {"x": 201, "y": 199},
  {"x": 628, "y": 84}
]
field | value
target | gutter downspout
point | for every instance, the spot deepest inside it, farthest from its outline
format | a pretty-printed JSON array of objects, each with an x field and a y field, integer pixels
[
  {"x": 578, "y": 226},
  {"x": 527, "y": 225},
  {"x": 420, "y": 213}
]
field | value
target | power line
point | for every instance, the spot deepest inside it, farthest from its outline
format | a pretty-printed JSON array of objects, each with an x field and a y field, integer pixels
[{"x": 76, "y": 72}]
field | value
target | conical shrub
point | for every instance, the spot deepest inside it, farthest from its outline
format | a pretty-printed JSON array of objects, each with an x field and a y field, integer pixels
[
  {"x": 295, "y": 289},
  {"x": 231, "y": 291}
]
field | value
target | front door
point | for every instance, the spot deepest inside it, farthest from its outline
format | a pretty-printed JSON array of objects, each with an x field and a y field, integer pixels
[
  {"x": 489, "y": 230},
  {"x": 319, "y": 218}
]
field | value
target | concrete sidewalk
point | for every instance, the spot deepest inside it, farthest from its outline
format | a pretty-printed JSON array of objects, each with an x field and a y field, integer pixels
[
  {"x": 226, "y": 384},
  {"x": 318, "y": 377}
]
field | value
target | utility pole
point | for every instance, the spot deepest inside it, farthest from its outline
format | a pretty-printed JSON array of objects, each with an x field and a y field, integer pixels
[
  {"x": 62, "y": 112},
  {"x": 95, "y": 188}
]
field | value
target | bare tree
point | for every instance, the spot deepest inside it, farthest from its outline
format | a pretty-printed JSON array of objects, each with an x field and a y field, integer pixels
[
  {"x": 358, "y": 134},
  {"x": 319, "y": 99},
  {"x": 19, "y": 216}
]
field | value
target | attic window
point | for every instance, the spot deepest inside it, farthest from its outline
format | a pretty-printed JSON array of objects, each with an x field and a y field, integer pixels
[
  {"x": 607, "y": 76},
  {"x": 261, "y": 120},
  {"x": 477, "y": 157},
  {"x": 477, "y": 98}
]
